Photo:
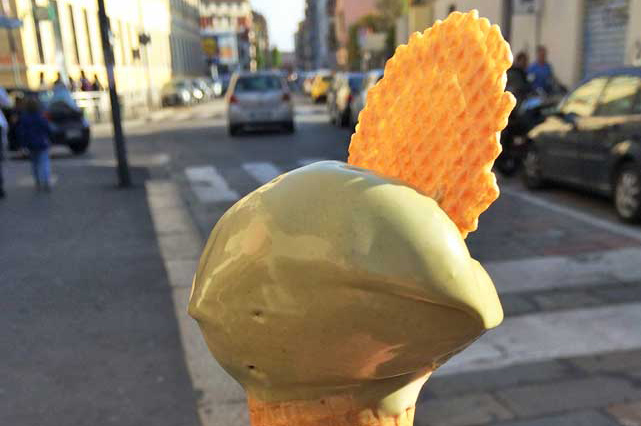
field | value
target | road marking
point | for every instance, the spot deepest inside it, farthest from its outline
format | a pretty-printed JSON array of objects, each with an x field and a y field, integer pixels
[
  {"x": 261, "y": 171},
  {"x": 544, "y": 273},
  {"x": 208, "y": 185},
  {"x": 552, "y": 335},
  {"x": 575, "y": 214}
]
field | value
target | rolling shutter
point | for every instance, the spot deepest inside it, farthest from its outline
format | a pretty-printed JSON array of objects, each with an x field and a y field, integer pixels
[{"x": 604, "y": 34}]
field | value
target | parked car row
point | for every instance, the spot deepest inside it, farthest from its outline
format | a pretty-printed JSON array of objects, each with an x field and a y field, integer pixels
[
  {"x": 191, "y": 91},
  {"x": 348, "y": 94},
  {"x": 592, "y": 141},
  {"x": 66, "y": 120}
]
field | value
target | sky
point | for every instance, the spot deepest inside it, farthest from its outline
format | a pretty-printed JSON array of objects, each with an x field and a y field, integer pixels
[{"x": 282, "y": 20}]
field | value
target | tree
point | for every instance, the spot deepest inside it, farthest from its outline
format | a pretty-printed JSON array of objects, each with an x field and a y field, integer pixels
[
  {"x": 277, "y": 59},
  {"x": 390, "y": 10}
]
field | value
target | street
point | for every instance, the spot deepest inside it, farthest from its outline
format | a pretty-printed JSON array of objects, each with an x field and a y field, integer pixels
[{"x": 96, "y": 280}]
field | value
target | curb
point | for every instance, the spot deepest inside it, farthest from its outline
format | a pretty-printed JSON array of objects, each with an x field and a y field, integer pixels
[{"x": 221, "y": 401}]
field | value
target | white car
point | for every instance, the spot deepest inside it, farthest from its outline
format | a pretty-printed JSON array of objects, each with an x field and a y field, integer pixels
[
  {"x": 259, "y": 99},
  {"x": 371, "y": 78}
]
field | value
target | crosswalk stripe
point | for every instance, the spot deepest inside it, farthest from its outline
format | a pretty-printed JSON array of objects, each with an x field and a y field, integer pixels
[
  {"x": 261, "y": 171},
  {"x": 208, "y": 185},
  {"x": 552, "y": 335},
  {"x": 544, "y": 273}
]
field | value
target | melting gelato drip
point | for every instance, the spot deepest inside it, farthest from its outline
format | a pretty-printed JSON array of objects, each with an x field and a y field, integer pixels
[{"x": 332, "y": 281}]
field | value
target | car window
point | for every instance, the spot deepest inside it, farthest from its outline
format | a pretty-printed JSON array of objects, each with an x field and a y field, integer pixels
[
  {"x": 618, "y": 96},
  {"x": 583, "y": 100},
  {"x": 259, "y": 83}
]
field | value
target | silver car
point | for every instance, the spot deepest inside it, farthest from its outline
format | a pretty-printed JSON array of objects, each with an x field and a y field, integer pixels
[{"x": 257, "y": 100}]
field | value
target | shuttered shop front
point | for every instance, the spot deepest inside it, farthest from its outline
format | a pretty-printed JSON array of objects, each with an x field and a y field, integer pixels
[{"x": 604, "y": 34}]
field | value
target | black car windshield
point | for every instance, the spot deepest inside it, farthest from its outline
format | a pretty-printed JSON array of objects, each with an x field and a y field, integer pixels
[
  {"x": 355, "y": 82},
  {"x": 259, "y": 83}
]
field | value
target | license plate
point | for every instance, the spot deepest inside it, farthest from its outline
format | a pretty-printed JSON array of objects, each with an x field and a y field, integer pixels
[
  {"x": 266, "y": 115},
  {"x": 73, "y": 133}
]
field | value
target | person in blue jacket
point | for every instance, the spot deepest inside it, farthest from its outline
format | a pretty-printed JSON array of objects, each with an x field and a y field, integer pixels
[
  {"x": 34, "y": 133},
  {"x": 540, "y": 72}
]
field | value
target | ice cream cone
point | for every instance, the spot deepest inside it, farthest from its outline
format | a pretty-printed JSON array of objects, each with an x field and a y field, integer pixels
[{"x": 331, "y": 411}]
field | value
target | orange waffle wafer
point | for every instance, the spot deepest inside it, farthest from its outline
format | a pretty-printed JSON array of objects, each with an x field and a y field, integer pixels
[{"x": 434, "y": 119}]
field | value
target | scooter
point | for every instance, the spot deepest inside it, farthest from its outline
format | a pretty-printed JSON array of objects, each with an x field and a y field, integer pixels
[{"x": 529, "y": 113}]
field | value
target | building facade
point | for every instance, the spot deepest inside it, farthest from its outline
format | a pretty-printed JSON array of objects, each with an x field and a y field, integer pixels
[
  {"x": 303, "y": 49},
  {"x": 63, "y": 36},
  {"x": 346, "y": 14},
  {"x": 184, "y": 38},
  {"x": 581, "y": 36},
  {"x": 227, "y": 27},
  {"x": 261, "y": 37}
]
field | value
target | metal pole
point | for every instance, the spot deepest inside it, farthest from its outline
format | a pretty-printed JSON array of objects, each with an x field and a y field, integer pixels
[{"x": 124, "y": 178}]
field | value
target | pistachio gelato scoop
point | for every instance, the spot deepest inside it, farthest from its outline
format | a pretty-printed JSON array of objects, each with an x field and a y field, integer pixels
[{"x": 332, "y": 280}]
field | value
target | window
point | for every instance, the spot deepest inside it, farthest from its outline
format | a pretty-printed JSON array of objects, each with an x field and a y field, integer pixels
[
  {"x": 123, "y": 51},
  {"x": 88, "y": 35},
  {"x": 74, "y": 37},
  {"x": 258, "y": 84},
  {"x": 618, "y": 96},
  {"x": 583, "y": 100}
]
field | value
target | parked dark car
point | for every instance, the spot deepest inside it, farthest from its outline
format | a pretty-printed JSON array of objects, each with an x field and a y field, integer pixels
[
  {"x": 593, "y": 141},
  {"x": 67, "y": 122},
  {"x": 177, "y": 92}
]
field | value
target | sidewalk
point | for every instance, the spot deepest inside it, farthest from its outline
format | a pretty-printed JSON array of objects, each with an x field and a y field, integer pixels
[
  {"x": 212, "y": 109},
  {"x": 89, "y": 334}
]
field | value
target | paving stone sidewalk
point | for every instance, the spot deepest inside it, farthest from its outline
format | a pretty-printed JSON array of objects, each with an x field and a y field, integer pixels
[{"x": 599, "y": 390}]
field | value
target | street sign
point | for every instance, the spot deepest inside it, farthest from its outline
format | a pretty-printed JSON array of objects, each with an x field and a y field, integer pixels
[
  {"x": 526, "y": 7},
  {"x": 10, "y": 23},
  {"x": 209, "y": 46}
]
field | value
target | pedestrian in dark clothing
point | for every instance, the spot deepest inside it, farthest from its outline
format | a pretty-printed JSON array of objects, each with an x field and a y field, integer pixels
[
  {"x": 96, "y": 86},
  {"x": 58, "y": 81},
  {"x": 4, "y": 132},
  {"x": 33, "y": 133},
  {"x": 517, "y": 78},
  {"x": 85, "y": 85}
]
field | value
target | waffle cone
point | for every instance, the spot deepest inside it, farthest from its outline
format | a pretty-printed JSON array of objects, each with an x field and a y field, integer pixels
[{"x": 331, "y": 411}]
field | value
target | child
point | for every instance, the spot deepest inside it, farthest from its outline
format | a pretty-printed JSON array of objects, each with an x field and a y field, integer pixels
[{"x": 33, "y": 133}]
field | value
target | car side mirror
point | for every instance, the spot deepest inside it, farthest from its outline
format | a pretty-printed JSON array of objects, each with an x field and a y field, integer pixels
[{"x": 570, "y": 117}]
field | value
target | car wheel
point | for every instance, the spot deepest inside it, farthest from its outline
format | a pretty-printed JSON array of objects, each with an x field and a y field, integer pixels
[
  {"x": 233, "y": 129},
  {"x": 627, "y": 193},
  {"x": 289, "y": 127},
  {"x": 507, "y": 164},
  {"x": 79, "y": 148},
  {"x": 532, "y": 174}
]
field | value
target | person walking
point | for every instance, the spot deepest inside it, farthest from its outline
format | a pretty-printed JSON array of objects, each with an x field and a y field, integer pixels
[
  {"x": 517, "y": 78},
  {"x": 96, "y": 86},
  {"x": 85, "y": 85},
  {"x": 4, "y": 132},
  {"x": 33, "y": 133}
]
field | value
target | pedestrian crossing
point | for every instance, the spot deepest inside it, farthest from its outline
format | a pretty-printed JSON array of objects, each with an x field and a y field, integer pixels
[{"x": 539, "y": 336}]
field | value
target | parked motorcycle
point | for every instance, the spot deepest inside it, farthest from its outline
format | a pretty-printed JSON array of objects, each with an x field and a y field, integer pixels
[{"x": 528, "y": 113}]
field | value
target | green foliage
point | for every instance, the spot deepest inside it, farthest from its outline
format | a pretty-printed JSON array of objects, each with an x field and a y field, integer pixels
[
  {"x": 390, "y": 10},
  {"x": 277, "y": 60},
  {"x": 353, "y": 49}
]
